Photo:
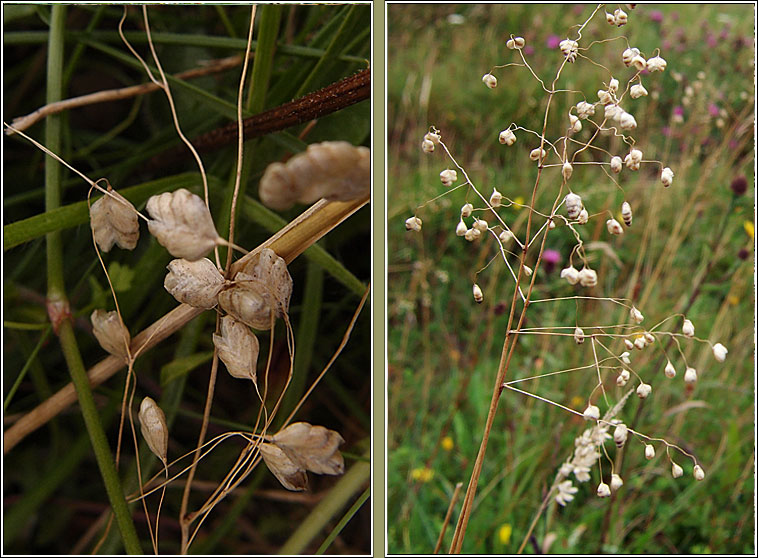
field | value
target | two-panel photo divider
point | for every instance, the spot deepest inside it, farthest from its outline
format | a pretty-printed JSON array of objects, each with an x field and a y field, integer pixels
[{"x": 389, "y": 278}]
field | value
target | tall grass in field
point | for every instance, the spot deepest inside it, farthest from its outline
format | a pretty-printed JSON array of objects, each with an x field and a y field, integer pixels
[
  {"x": 495, "y": 396},
  {"x": 80, "y": 424}
]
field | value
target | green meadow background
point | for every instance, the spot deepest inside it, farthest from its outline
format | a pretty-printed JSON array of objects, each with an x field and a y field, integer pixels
[{"x": 690, "y": 250}]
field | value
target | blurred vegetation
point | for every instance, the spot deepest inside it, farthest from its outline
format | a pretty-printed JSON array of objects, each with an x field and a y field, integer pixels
[
  {"x": 53, "y": 494},
  {"x": 690, "y": 249}
]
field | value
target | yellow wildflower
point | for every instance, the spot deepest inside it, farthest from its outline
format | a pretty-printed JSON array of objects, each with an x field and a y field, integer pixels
[
  {"x": 504, "y": 533},
  {"x": 447, "y": 443},
  {"x": 518, "y": 203},
  {"x": 576, "y": 402},
  {"x": 749, "y": 229},
  {"x": 733, "y": 300},
  {"x": 422, "y": 474}
]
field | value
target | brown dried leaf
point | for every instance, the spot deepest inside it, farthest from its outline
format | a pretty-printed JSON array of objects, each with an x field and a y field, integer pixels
[
  {"x": 182, "y": 224},
  {"x": 237, "y": 348},
  {"x": 289, "y": 474},
  {"x": 110, "y": 332},
  {"x": 335, "y": 170},
  {"x": 195, "y": 283},
  {"x": 314, "y": 448},
  {"x": 114, "y": 221},
  {"x": 154, "y": 428}
]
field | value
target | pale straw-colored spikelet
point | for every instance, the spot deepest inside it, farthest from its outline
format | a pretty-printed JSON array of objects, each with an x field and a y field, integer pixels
[
  {"x": 153, "y": 426},
  {"x": 110, "y": 332},
  {"x": 314, "y": 448},
  {"x": 283, "y": 468},
  {"x": 334, "y": 170},
  {"x": 195, "y": 283},
  {"x": 262, "y": 286},
  {"x": 114, "y": 221},
  {"x": 237, "y": 348},
  {"x": 182, "y": 224}
]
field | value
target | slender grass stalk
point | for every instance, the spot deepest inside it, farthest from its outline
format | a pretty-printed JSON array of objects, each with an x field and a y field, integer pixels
[{"x": 345, "y": 519}]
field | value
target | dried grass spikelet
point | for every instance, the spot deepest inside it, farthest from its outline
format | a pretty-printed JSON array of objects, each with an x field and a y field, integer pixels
[
  {"x": 182, "y": 224},
  {"x": 114, "y": 221},
  {"x": 237, "y": 348},
  {"x": 335, "y": 170},
  {"x": 195, "y": 283},
  {"x": 300, "y": 447},
  {"x": 110, "y": 332},
  {"x": 283, "y": 468},
  {"x": 153, "y": 426},
  {"x": 261, "y": 287}
]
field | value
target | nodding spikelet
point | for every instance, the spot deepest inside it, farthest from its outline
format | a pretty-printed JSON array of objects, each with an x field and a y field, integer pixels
[
  {"x": 690, "y": 375},
  {"x": 182, "y": 224},
  {"x": 195, "y": 283},
  {"x": 649, "y": 452},
  {"x": 537, "y": 154},
  {"x": 489, "y": 80},
  {"x": 466, "y": 210},
  {"x": 570, "y": 274},
  {"x": 567, "y": 170},
  {"x": 698, "y": 473},
  {"x": 643, "y": 390},
  {"x": 676, "y": 470},
  {"x": 448, "y": 177},
  {"x": 262, "y": 287},
  {"x": 478, "y": 295},
  {"x": 636, "y": 315},
  {"x": 110, "y": 332},
  {"x": 614, "y": 227},
  {"x": 578, "y": 336},
  {"x": 638, "y": 90},
  {"x": 333, "y": 170},
  {"x": 515, "y": 43},
  {"x": 237, "y": 348},
  {"x": 667, "y": 177},
  {"x": 669, "y": 371},
  {"x": 289, "y": 474},
  {"x": 688, "y": 329},
  {"x": 592, "y": 412},
  {"x": 622, "y": 378},
  {"x": 616, "y": 164},
  {"x": 113, "y": 220},
  {"x": 587, "y": 277},
  {"x": 413, "y": 224},
  {"x": 626, "y": 213},
  {"x": 461, "y": 229},
  {"x": 719, "y": 352},
  {"x": 616, "y": 482},
  {"x": 573, "y": 205},
  {"x": 507, "y": 137},
  {"x": 603, "y": 490},
  {"x": 620, "y": 434},
  {"x": 153, "y": 427},
  {"x": 496, "y": 198}
]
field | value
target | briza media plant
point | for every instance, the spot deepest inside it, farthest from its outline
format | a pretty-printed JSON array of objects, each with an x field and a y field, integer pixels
[
  {"x": 236, "y": 308},
  {"x": 594, "y": 146}
]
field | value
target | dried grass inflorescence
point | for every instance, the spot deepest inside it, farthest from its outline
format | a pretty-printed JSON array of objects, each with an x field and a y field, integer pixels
[
  {"x": 153, "y": 427},
  {"x": 111, "y": 332},
  {"x": 611, "y": 120},
  {"x": 114, "y": 221},
  {"x": 195, "y": 283},
  {"x": 334, "y": 170},
  {"x": 237, "y": 348}
]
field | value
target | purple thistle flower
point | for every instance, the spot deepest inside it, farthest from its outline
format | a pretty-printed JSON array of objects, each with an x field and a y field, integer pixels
[
  {"x": 678, "y": 111},
  {"x": 553, "y": 41},
  {"x": 656, "y": 16},
  {"x": 550, "y": 258},
  {"x": 528, "y": 50},
  {"x": 713, "y": 110}
]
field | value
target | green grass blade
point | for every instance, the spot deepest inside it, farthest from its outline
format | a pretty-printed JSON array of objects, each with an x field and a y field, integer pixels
[{"x": 345, "y": 518}]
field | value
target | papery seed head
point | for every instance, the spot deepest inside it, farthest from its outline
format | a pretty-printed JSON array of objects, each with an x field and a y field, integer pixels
[
  {"x": 584, "y": 109},
  {"x": 616, "y": 164},
  {"x": 698, "y": 473},
  {"x": 461, "y": 229},
  {"x": 621, "y": 380},
  {"x": 649, "y": 451},
  {"x": 620, "y": 434},
  {"x": 688, "y": 329},
  {"x": 667, "y": 177},
  {"x": 570, "y": 274},
  {"x": 636, "y": 315},
  {"x": 587, "y": 277},
  {"x": 537, "y": 154},
  {"x": 551, "y": 224},
  {"x": 153, "y": 427},
  {"x": 507, "y": 137},
  {"x": 528, "y": 271},
  {"x": 604, "y": 96},
  {"x": 496, "y": 198},
  {"x": 575, "y": 125},
  {"x": 627, "y": 121},
  {"x": 640, "y": 342},
  {"x": 643, "y": 390},
  {"x": 481, "y": 225},
  {"x": 621, "y": 17},
  {"x": 433, "y": 137},
  {"x": 573, "y": 205},
  {"x": 719, "y": 352},
  {"x": 567, "y": 170},
  {"x": 592, "y": 412},
  {"x": 603, "y": 490},
  {"x": 616, "y": 482},
  {"x": 110, "y": 332},
  {"x": 182, "y": 223},
  {"x": 237, "y": 348},
  {"x": 626, "y": 213},
  {"x": 113, "y": 220},
  {"x": 690, "y": 375},
  {"x": 195, "y": 283},
  {"x": 466, "y": 210},
  {"x": 584, "y": 216},
  {"x": 625, "y": 358},
  {"x": 656, "y": 64},
  {"x": 413, "y": 224},
  {"x": 489, "y": 80},
  {"x": 676, "y": 470},
  {"x": 506, "y": 236},
  {"x": 628, "y": 344},
  {"x": 639, "y": 63},
  {"x": 613, "y": 86},
  {"x": 448, "y": 177},
  {"x": 610, "y": 19},
  {"x": 629, "y": 54},
  {"x": 578, "y": 336},
  {"x": 470, "y": 235},
  {"x": 478, "y": 295},
  {"x": 614, "y": 227},
  {"x": 427, "y": 146},
  {"x": 516, "y": 42},
  {"x": 649, "y": 338},
  {"x": 669, "y": 371},
  {"x": 637, "y": 90}
]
